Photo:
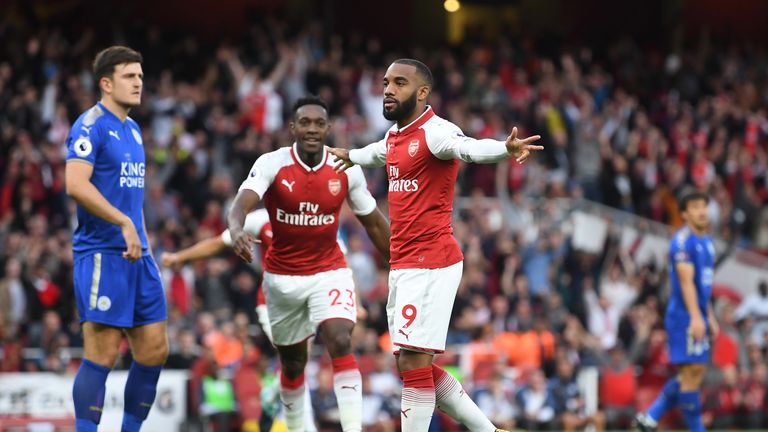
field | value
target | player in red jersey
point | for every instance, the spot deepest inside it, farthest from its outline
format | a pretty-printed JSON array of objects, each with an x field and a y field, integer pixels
[
  {"x": 422, "y": 153},
  {"x": 306, "y": 281},
  {"x": 257, "y": 224}
]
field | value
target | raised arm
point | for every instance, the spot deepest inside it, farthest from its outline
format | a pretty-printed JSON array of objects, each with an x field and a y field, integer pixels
[
  {"x": 453, "y": 144},
  {"x": 286, "y": 58}
]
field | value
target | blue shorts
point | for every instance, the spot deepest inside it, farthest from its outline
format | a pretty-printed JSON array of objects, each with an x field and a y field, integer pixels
[
  {"x": 683, "y": 349},
  {"x": 114, "y": 291}
]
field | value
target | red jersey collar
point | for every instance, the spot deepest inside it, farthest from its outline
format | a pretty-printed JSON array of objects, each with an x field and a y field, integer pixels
[
  {"x": 419, "y": 122},
  {"x": 295, "y": 155}
]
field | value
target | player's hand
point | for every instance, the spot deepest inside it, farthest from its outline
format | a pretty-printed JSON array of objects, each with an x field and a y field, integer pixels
[
  {"x": 169, "y": 260},
  {"x": 362, "y": 314},
  {"x": 242, "y": 244},
  {"x": 342, "y": 161},
  {"x": 520, "y": 149},
  {"x": 714, "y": 328},
  {"x": 697, "y": 329},
  {"x": 132, "y": 242}
]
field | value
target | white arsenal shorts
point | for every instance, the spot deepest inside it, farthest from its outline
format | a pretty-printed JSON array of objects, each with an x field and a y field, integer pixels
[
  {"x": 419, "y": 306},
  {"x": 297, "y": 305}
]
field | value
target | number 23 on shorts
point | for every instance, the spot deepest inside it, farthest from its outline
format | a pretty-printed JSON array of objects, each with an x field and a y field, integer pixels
[{"x": 334, "y": 294}]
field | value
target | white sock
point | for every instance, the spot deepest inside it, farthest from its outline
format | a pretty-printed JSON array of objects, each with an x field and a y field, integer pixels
[
  {"x": 418, "y": 400},
  {"x": 348, "y": 387},
  {"x": 451, "y": 398},
  {"x": 292, "y": 396}
]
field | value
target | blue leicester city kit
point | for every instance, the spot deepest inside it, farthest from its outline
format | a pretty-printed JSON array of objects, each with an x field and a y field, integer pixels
[
  {"x": 110, "y": 289},
  {"x": 699, "y": 251}
]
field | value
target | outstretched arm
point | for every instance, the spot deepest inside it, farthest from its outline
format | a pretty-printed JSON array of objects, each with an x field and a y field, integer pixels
[
  {"x": 242, "y": 242},
  {"x": 203, "y": 249},
  {"x": 372, "y": 155},
  {"x": 377, "y": 227},
  {"x": 455, "y": 145}
]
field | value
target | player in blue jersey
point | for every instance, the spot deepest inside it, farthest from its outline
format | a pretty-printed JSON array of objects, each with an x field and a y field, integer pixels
[
  {"x": 689, "y": 320},
  {"x": 117, "y": 283}
]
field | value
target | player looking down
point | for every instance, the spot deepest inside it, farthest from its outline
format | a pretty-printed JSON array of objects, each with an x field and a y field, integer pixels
[{"x": 689, "y": 320}]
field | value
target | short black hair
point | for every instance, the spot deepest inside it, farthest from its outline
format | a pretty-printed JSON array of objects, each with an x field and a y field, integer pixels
[
  {"x": 106, "y": 60},
  {"x": 309, "y": 100},
  {"x": 689, "y": 195},
  {"x": 421, "y": 69}
]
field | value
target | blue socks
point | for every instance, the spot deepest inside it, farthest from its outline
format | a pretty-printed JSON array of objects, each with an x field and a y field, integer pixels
[
  {"x": 140, "y": 392},
  {"x": 666, "y": 400},
  {"x": 88, "y": 395},
  {"x": 690, "y": 404}
]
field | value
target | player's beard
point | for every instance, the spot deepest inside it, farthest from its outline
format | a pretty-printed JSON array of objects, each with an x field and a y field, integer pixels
[
  {"x": 703, "y": 226},
  {"x": 700, "y": 224},
  {"x": 402, "y": 109}
]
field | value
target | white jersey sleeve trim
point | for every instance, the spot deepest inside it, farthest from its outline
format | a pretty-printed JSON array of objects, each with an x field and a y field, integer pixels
[
  {"x": 446, "y": 141},
  {"x": 372, "y": 155},
  {"x": 359, "y": 197},
  {"x": 254, "y": 222},
  {"x": 226, "y": 237},
  {"x": 265, "y": 169}
]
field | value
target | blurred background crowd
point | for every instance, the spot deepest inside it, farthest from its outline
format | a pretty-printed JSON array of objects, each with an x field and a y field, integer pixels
[{"x": 623, "y": 125}]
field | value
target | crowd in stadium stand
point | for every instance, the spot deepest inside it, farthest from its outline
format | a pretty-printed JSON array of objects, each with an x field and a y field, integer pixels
[{"x": 623, "y": 126}]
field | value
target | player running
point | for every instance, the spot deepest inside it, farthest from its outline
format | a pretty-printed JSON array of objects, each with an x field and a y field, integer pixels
[
  {"x": 117, "y": 283},
  {"x": 422, "y": 153},
  {"x": 306, "y": 282},
  {"x": 257, "y": 224},
  {"x": 689, "y": 320}
]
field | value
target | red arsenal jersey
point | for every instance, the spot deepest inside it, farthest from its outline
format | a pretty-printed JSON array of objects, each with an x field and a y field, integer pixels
[
  {"x": 422, "y": 161},
  {"x": 303, "y": 203}
]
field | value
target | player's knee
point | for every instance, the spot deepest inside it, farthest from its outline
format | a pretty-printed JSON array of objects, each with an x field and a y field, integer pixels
[
  {"x": 339, "y": 344},
  {"x": 409, "y": 360},
  {"x": 293, "y": 367},
  {"x": 694, "y": 370},
  {"x": 152, "y": 354},
  {"x": 104, "y": 357},
  {"x": 691, "y": 376},
  {"x": 162, "y": 353}
]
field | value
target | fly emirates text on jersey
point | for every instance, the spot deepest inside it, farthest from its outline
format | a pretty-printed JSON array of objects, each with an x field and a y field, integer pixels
[{"x": 306, "y": 216}]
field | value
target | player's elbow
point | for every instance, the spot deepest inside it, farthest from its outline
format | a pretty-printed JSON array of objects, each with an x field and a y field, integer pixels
[
  {"x": 72, "y": 187},
  {"x": 76, "y": 176}
]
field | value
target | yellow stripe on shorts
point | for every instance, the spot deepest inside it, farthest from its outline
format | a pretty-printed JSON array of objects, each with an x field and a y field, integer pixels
[{"x": 95, "y": 279}]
